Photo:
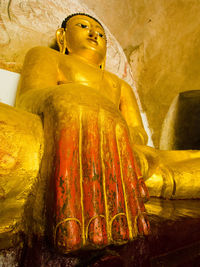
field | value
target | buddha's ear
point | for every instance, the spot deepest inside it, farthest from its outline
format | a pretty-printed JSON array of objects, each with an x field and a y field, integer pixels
[
  {"x": 60, "y": 38},
  {"x": 102, "y": 66}
]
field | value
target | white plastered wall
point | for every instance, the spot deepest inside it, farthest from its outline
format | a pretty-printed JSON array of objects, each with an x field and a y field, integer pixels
[{"x": 8, "y": 86}]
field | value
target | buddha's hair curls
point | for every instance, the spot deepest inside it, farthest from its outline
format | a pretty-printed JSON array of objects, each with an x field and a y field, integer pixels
[{"x": 64, "y": 23}]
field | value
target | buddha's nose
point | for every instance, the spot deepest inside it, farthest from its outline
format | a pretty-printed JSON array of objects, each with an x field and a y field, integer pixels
[{"x": 93, "y": 34}]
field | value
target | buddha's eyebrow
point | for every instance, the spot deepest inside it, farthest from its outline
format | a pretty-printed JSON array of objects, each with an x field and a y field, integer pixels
[
  {"x": 100, "y": 28},
  {"x": 82, "y": 21},
  {"x": 86, "y": 21}
]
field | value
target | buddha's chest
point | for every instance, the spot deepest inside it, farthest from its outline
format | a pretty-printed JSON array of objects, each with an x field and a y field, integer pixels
[{"x": 97, "y": 79}]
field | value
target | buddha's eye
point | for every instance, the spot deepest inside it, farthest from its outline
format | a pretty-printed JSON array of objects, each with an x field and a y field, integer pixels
[
  {"x": 100, "y": 34},
  {"x": 82, "y": 25}
]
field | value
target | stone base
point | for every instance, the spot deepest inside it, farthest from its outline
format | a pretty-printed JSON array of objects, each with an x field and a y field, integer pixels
[{"x": 174, "y": 241}]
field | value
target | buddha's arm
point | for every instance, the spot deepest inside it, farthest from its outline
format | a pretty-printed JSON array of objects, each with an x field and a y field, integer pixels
[
  {"x": 148, "y": 158},
  {"x": 130, "y": 111},
  {"x": 39, "y": 73}
]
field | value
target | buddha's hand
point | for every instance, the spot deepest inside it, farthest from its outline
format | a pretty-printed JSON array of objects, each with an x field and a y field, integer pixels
[
  {"x": 147, "y": 159},
  {"x": 161, "y": 182},
  {"x": 157, "y": 175},
  {"x": 138, "y": 135}
]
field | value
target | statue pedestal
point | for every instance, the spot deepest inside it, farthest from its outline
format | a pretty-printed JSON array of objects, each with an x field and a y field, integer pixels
[
  {"x": 174, "y": 241},
  {"x": 175, "y": 238}
]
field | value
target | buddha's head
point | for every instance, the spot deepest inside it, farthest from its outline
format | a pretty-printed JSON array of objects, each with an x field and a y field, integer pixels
[{"x": 82, "y": 35}]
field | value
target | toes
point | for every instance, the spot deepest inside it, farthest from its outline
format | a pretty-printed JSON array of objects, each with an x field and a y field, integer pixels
[
  {"x": 120, "y": 229},
  {"x": 143, "y": 224},
  {"x": 68, "y": 236},
  {"x": 97, "y": 231}
]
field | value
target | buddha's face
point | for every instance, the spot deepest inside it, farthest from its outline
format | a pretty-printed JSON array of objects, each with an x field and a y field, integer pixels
[{"x": 85, "y": 37}]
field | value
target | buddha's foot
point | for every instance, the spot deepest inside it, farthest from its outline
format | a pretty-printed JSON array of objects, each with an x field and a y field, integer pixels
[{"x": 98, "y": 196}]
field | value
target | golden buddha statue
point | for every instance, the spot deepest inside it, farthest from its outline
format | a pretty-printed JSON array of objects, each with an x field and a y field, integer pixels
[
  {"x": 94, "y": 189},
  {"x": 88, "y": 189}
]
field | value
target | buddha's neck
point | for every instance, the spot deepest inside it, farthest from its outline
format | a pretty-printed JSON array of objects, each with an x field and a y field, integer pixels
[{"x": 90, "y": 60}]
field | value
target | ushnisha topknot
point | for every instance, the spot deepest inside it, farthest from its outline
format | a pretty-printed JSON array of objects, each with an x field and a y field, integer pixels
[{"x": 64, "y": 23}]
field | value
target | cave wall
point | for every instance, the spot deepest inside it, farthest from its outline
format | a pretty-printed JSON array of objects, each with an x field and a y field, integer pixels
[
  {"x": 162, "y": 42},
  {"x": 25, "y": 24}
]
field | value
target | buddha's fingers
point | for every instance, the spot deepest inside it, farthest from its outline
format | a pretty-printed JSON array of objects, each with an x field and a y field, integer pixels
[
  {"x": 116, "y": 212},
  {"x": 142, "y": 186},
  {"x": 133, "y": 199},
  {"x": 93, "y": 200},
  {"x": 68, "y": 211},
  {"x": 143, "y": 224},
  {"x": 143, "y": 190}
]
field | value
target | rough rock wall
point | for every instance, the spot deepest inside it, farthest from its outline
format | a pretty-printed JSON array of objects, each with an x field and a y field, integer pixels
[
  {"x": 162, "y": 42},
  {"x": 28, "y": 23}
]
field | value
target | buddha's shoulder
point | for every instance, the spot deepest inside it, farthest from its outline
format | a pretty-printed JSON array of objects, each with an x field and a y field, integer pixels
[
  {"x": 113, "y": 78},
  {"x": 42, "y": 52}
]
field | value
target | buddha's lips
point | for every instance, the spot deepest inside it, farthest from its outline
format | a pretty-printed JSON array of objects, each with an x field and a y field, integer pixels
[{"x": 92, "y": 41}]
